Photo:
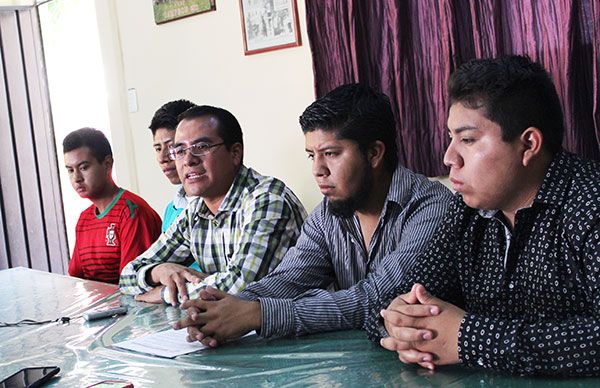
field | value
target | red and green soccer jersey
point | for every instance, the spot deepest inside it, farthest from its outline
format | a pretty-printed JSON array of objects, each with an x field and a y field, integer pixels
[{"x": 105, "y": 243}]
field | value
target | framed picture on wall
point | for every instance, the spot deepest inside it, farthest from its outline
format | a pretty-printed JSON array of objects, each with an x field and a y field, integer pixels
[
  {"x": 269, "y": 25},
  {"x": 168, "y": 10}
]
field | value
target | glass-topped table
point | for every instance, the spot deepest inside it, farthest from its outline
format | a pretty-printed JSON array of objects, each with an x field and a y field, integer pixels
[{"x": 85, "y": 354}]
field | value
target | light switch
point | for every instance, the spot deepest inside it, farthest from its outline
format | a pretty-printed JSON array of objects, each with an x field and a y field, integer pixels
[{"x": 132, "y": 100}]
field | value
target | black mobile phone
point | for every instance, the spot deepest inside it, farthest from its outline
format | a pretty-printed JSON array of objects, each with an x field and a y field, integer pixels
[{"x": 30, "y": 377}]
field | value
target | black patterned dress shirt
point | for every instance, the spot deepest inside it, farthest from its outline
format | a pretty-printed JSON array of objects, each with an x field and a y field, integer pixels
[{"x": 531, "y": 294}]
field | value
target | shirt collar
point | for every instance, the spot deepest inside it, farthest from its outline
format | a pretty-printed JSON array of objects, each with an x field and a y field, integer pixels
[
  {"x": 180, "y": 200},
  {"x": 401, "y": 187},
  {"x": 231, "y": 201},
  {"x": 556, "y": 184}
]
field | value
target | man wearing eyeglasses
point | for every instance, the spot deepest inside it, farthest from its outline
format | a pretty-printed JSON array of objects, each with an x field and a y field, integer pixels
[{"x": 237, "y": 230}]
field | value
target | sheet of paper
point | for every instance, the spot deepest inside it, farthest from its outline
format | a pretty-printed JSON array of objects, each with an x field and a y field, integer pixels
[{"x": 169, "y": 343}]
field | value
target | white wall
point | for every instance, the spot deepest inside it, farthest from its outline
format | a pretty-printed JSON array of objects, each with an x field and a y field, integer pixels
[{"x": 201, "y": 58}]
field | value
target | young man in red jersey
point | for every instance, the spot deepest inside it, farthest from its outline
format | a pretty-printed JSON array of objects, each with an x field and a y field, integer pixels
[{"x": 119, "y": 225}]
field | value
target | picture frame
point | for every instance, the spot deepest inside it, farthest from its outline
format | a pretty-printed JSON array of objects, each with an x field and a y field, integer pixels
[
  {"x": 269, "y": 25},
  {"x": 169, "y": 10}
]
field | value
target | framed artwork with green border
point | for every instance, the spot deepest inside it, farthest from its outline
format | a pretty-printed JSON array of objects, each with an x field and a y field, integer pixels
[{"x": 169, "y": 10}]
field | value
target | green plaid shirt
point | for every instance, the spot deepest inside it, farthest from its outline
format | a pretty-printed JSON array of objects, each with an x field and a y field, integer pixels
[{"x": 258, "y": 221}]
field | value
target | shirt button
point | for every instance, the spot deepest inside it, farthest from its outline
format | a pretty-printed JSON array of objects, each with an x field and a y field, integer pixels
[
  {"x": 215, "y": 223},
  {"x": 511, "y": 285}
]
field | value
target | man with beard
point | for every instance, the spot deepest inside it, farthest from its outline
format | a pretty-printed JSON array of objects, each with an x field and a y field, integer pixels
[{"x": 376, "y": 217}]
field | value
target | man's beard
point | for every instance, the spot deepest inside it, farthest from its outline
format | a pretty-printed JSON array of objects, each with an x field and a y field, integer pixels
[{"x": 346, "y": 207}]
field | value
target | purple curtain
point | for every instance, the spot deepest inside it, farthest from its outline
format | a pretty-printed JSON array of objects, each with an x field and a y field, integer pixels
[{"x": 408, "y": 48}]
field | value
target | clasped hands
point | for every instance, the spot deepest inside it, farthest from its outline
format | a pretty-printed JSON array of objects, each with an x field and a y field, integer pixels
[
  {"x": 217, "y": 316},
  {"x": 422, "y": 329},
  {"x": 221, "y": 316}
]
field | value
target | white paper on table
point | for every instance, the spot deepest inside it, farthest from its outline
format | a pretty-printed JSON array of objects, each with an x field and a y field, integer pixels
[{"x": 169, "y": 343}]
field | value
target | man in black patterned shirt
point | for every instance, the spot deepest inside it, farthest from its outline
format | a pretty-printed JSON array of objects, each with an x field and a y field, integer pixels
[{"x": 511, "y": 279}]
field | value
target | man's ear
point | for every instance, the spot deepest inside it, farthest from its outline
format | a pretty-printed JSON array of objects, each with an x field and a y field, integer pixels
[
  {"x": 237, "y": 150},
  {"x": 532, "y": 140},
  {"x": 108, "y": 162},
  {"x": 375, "y": 154}
]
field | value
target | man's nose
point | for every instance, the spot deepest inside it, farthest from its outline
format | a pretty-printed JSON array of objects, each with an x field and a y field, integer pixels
[
  {"x": 164, "y": 156},
  {"x": 189, "y": 159},
  {"x": 452, "y": 158},
  {"x": 77, "y": 176},
  {"x": 319, "y": 167}
]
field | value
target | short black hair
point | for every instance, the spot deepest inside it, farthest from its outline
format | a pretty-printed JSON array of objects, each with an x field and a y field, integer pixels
[
  {"x": 228, "y": 127},
  {"x": 355, "y": 112},
  {"x": 166, "y": 115},
  {"x": 515, "y": 92},
  {"x": 90, "y": 138}
]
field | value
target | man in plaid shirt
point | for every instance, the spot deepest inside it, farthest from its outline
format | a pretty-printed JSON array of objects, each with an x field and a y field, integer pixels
[{"x": 237, "y": 230}]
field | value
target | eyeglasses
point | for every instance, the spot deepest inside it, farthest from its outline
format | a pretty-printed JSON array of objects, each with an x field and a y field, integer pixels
[{"x": 198, "y": 149}]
